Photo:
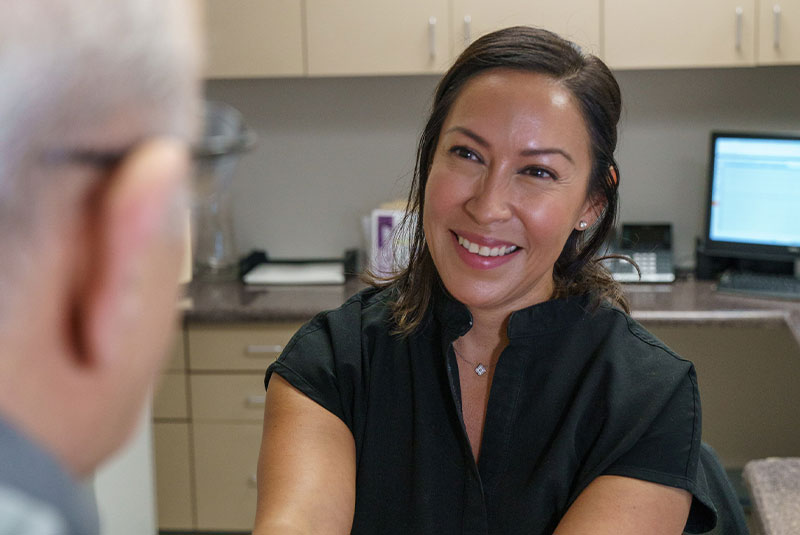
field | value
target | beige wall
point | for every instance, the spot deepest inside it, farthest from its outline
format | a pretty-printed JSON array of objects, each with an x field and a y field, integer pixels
[{"x": 331, "y": 149}]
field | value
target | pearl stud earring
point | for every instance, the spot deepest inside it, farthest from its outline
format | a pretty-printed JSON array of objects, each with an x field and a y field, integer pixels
[{"x": 583, "y": 225}]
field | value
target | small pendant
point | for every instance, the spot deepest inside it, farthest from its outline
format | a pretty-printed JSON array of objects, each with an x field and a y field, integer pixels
[{"x": 480, "y": 369}]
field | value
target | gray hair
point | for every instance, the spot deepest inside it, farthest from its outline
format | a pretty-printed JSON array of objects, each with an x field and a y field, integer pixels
[{"x": 90, "y": 75}]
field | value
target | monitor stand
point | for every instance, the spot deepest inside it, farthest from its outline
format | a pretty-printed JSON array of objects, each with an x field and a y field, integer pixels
[{"x": 710, "y": 265}]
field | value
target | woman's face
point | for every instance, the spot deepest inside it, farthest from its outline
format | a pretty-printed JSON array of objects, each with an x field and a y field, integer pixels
[{"x": 507, "y": 185}]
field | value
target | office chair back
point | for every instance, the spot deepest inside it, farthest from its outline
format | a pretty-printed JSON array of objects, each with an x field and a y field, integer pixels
[{"x": 730, "y": 515}]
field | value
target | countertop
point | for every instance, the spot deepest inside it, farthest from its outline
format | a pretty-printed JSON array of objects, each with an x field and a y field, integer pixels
[
  {"x": 237, "y": 302},
  {"x": 684, "y": 302}
]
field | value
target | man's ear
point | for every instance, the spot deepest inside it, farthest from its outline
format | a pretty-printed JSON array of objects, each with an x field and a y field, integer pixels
[{"x": 135, "y": 251}]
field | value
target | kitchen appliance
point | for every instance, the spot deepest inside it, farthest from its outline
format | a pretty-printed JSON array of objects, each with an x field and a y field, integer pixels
[{"x": 225, "y": 138}]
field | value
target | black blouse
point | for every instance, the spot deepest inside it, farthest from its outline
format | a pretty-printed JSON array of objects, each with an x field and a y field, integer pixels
[{"x": 579, "y": 392}]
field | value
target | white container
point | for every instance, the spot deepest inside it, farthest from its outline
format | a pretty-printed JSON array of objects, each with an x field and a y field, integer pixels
[{"x": 389, "y": 241}]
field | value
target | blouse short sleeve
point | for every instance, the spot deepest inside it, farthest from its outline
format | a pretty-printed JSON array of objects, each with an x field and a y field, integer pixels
[
  {"x": 323, "y": 361},
  {"x": 657, "y": 418},
  {"x": 668, "y": 454}
]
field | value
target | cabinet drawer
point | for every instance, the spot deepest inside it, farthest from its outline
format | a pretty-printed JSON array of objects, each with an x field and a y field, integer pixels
[
  {"x": 228, "y": 397},
  {"x": 173, "y": 476},
  {"x": 237, "y": 347},
  {"x": 226, "y": 456},
  {"x": 170, "y": 398}
]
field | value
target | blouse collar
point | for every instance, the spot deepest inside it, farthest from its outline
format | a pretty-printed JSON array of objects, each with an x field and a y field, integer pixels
[{"x": 535, "y": 320}]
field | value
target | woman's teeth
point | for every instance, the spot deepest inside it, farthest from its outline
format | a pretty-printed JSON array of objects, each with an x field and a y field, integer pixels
[{"x": 483, "y": 250}]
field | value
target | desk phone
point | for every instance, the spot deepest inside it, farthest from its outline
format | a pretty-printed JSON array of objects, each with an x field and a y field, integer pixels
[{"x": 650, "y": 246}]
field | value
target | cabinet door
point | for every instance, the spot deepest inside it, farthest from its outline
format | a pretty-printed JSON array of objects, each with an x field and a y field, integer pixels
[
  {"x": 173, "y": 476},
  {"x": 576, "y": 20},
  {"x": 362, "y": 37},
  {"x": 681, "y": 33},
  {"x": 176, "y": 360},
  {"x": 170, "y": 400},
  {"x": 226, "y": 456},
  {"x": 252, "y": 38},
  {"x": 779, "y": 32}
]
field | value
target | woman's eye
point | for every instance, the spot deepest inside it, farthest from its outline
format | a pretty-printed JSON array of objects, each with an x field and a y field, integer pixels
[
  {"x": 465, "y": 153},
  {"x": 539, "y": 172}
]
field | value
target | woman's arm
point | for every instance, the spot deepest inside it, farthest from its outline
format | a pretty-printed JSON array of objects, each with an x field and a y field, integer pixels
[
  {"x": 306, "y": 469},
  {"x": 625, "y": 506}
]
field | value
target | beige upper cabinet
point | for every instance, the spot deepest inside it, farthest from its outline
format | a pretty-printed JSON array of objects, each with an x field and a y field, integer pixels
[
  {"x": 361, "y": 37},
  {"x": 274, "y": 38},
  {"x": 779, "y": 32},
  {"x": 576, "y": 20},
  {"x": 679, "y": 33},
  {"x": 253, "y": 38}
]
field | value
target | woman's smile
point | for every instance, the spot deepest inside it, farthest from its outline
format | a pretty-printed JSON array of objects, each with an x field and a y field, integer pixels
[{"x": 480, "y": 252}]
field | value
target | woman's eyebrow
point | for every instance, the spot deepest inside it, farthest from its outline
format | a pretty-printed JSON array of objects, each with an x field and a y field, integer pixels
[
  {"x": 526, "y": 152},
  {"x": 469, "y": 133},
  {"x": 539, "y": 152}
]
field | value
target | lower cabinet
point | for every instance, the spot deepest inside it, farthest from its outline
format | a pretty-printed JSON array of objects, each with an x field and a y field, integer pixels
[
  {"x": 225, "y": 459},
  {"x": 173, "y": 476},
  {"x": 207, "y": 412}
]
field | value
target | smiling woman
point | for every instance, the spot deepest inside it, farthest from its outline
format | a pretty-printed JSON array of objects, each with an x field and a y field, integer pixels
[
  {"x": 496, "y": 384},
  {"x": 511, "y": 170}
]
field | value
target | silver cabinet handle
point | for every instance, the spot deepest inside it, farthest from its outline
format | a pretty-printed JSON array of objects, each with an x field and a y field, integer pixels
[
  {"x": 776, "y": 26},
  {"x": 739, "y": 16},
  {"x": 467, "y": 30},
  {"x": 252, "y": 481},
  {"x": 432, "y": 36},
  {"x": 260, "y": 350},
  {"x": 255, "y": 401}
]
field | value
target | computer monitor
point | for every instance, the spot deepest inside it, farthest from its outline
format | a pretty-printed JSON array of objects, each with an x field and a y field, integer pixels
[{"x": 753, "y": 209}]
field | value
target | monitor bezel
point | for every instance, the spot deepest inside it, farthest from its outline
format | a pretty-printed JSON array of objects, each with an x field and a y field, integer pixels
[{"x": 755, "y": 251}]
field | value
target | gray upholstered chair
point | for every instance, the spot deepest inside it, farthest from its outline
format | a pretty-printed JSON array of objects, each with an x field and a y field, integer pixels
[{"x": 730, "y": 515}]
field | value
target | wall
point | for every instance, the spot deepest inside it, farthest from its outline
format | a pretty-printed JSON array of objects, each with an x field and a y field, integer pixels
[
  {"x": 332, "y": 149},
  {"x": 124, "y": 486}
]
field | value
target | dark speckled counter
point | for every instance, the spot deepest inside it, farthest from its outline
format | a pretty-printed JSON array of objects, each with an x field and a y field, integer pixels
[
  {"x": 236, "y": 302},
  {"x": 681, "y": 303},
  {"x": 697, "y": 303}
]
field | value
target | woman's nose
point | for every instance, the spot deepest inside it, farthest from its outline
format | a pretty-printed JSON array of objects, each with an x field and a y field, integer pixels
[{"x": 491, "y": 198}]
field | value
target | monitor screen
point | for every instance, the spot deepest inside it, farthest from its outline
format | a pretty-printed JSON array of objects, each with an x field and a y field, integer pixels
[{"x": 754, "y": 195}]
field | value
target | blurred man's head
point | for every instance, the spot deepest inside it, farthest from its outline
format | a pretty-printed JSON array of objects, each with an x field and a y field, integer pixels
[{"x": 98, "y": 102}]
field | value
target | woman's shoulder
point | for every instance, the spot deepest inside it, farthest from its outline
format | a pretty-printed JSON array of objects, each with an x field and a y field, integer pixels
[
  {"x": 623, "y": 349},
  {"x": 368, "y": 307},
  {"x": 625, "y": 331}
]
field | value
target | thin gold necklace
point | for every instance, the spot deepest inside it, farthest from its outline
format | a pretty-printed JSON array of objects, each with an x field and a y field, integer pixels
[{"x": 478, "y": 368}]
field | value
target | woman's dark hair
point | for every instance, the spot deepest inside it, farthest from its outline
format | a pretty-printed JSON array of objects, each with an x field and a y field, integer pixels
[{"x": 598, "y": 96}]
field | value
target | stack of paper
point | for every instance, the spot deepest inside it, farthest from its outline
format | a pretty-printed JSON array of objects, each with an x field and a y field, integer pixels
[{"x": 296, "y": 273}]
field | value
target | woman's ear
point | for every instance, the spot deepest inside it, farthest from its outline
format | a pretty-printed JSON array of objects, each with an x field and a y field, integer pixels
[
  {"x": 592, "y": 210},
  {"x": 135, "y": 252}
]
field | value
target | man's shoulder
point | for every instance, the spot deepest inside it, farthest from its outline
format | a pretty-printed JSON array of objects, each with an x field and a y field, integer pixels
[
  {"x": 24, "y": 514},
  {"x": 37, "y": 495}
]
